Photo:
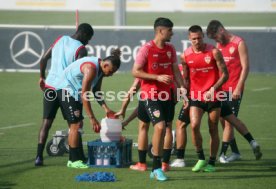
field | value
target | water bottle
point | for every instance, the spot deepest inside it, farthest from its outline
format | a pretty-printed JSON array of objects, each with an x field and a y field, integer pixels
[
  {"x": 99, "y": 155},
  {"x": 106, "y": 156}
]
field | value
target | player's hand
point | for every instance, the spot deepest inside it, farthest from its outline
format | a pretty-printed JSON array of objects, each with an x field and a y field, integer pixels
[
  {"x": 95, "y": 125},
  {"x": 111, "y": 115},
  {"x": 236, "y": 94},
  {"x": 185, "y": 103},
  {"x": 124, "y": 124},
  {"x": 209, "y": 95},
  {"x": 121, "y": 113},
  {"x": 41, "y": 83},
  {"x": 167, "y": 79}
]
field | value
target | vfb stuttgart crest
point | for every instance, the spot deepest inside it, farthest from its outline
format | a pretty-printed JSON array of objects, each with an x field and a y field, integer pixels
[
  {"x": 231, "y": 50},
  {"x": 154, "y": 66},
  {"x": 207, "y": 59},
  {"x": 169, "y": 54}
]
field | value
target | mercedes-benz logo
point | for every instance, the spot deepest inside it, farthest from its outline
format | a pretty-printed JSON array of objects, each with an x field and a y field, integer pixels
[{"x": 26, "y": 49}]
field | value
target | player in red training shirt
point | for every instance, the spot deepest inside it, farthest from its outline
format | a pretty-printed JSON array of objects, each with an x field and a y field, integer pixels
[
  {"x": 234, "y": 51},
  {"x": 204, "y": 67},
  {"x": 156, "y": 66}
]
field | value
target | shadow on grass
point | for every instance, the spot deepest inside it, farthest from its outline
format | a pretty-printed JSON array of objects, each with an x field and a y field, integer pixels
[{"x": 6, "y": 185}]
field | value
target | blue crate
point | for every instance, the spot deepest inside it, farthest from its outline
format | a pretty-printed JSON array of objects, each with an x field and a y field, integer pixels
[{"x": 109, "y": 154}]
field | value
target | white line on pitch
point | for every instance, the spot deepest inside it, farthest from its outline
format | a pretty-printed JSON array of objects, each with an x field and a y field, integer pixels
[
  {"x": 262, "y": 89},
  {"x": 17, "y": 126}
]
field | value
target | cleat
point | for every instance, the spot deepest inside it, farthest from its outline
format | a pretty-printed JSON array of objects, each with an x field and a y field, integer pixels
[
  {"x": 165, "y": 167},
  {"x": 139, "y": 167},
  {"x": 234, "y": 157},
  {"x": 256, "y": 149},
  {"x": 158, "y": 174},
  {"x": 209, "y": 168},
  {"x": 223, "y": 159},
  {"x": 77, "y": 165},
  {"x": 199, "y": 165},
  {"x": 178, "y": 163},
  {"x": 39, "y": 161}
]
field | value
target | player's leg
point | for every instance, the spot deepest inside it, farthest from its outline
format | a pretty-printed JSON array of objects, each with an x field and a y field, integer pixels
[
  {"x": 181, "y": 137},
  {"x": 142, "y": 146},
  {"x": 72, "y": 112},
  {"x": 242, "y": 129},
  {"x": 50, "y": 107},
  {"x": 213, "y": 119},
  {"x": 168, "y": 108},
  {"x": 196, "y": 114},
  {"x": 235, "y": 107}
]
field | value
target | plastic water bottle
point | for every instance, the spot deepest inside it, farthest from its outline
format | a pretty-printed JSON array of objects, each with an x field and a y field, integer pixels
[
  {"x": 99, "y": 155},
  {"x": 106, "y": 157}
]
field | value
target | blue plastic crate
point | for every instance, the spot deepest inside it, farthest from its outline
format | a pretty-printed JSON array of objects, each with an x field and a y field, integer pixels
[{"x": 109, "y": 154}]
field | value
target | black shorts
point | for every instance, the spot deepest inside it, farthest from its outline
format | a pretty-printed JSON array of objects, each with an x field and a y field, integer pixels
[
  {"x": 184, "y": 115},
  {"x": 206, "y": 106},
  {"x": 71, "y": 108},
  {"x": 50, "y": 104},
  {"x": 234, "y": 104},
  {"x": 225, "y": 109},
  {"x": 156, "y": 111}
]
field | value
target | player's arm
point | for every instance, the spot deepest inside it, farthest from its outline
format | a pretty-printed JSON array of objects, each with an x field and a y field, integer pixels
[
  {"x": 82, "y": 53},
  {"x": 133, "y": 90},
  {"x": 89, "y": 73},
  {"x": 98, "y": 94},
  {"x": 43, "y": 64},
  {"x": 222, "y": 69},
  {"x": 131, "y": 117},
  {"x": 245, "y": 69},
  {"x": 185, "y": 73},
  {"x": 138, "y": 68}
]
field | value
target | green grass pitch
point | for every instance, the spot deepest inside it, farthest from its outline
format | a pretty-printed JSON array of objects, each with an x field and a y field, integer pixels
[{"x": 21, "y": 111}]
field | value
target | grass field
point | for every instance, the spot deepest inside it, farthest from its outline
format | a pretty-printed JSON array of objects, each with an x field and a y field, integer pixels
[
  {"x": 140, "y": 19},
  {"x": 21, "y": 111}
]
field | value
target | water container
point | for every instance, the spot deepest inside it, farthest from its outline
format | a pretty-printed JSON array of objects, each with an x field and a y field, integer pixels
[{"x": 111, "y": 130}]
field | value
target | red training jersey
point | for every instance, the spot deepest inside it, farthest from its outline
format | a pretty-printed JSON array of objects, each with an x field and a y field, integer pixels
[
  {"x": 231, "y": 58},
  {"x": 203, "y": 71},
  {"x": 156, "y": 61}
]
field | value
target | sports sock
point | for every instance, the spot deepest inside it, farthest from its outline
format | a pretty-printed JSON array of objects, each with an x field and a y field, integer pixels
[
  {"x": 40, "y": 148},
  {"x": 234, "y": 146},
  {"x": 248, "y": 137},
  {"x": 156, "y": 162},
  {"x": 200, "y": 155},
  {"x": 180, "y": 153},
  {"x": 142, "y": 156},
  {"x": 212, "y": 161},
  {"x": 74, "y": 152},
  {"x": 80, "y": 148},
  {"x": 166, "y": 155},
  {"x": 224, "y": 147}
]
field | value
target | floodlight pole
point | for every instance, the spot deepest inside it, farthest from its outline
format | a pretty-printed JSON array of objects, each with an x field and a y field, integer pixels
[{"x": 120, "y": 13}]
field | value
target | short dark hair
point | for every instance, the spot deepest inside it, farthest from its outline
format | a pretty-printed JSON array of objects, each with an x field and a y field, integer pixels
[
  {"x": 114, "y": 58},
  {"x": 213, "y": 28},
  {"x": 85, "y": 28},
  {"x": 163, "y": 22},
  {"x": 195, "y": 28}
]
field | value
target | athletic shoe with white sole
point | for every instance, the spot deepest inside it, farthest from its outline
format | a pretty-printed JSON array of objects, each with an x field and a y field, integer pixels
[
  {"x": 158, "y": 174},
  {"x": 223, "y": 159},
  {"x": 256, "y": 149},
  {"x": 234, "y": 157},
  {"x": 178, "y": 163}
]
